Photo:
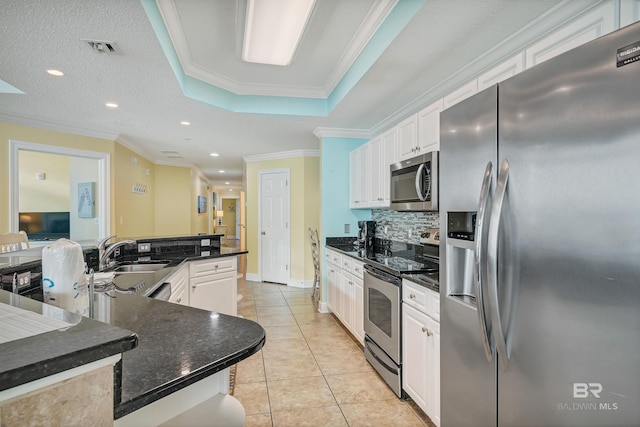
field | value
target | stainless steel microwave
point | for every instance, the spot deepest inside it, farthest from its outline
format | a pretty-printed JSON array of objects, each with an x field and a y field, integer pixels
[{"x": 414, "y": 183}]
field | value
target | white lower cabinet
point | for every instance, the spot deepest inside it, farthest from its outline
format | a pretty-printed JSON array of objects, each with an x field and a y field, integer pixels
[
  {"x": 179, "y": 283},
  {"x": 345, "y": 293},
  {"x": 421, "y": 348},
  {"x": 213, "y": 285}
]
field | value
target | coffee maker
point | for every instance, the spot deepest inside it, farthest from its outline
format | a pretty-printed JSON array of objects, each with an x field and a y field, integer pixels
[{"x": 366, "y": 235}]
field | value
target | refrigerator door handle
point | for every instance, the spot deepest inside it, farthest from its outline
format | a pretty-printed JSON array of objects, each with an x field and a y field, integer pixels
[
  {"x": 480, "y": 259},
  {"x": 492, "y": 264}
]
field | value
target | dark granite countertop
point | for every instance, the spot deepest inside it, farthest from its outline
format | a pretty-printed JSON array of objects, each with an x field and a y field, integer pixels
[
  {"x": 427, "y": 280},
  {"x": 27, "y": 359},
  {"x": 177, "y": 345}
]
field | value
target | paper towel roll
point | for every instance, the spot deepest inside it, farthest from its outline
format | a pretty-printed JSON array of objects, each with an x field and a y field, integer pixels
[{"x": 63, "y": 276}]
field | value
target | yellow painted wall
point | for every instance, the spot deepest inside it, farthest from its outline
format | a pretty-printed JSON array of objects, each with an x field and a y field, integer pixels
[
  {"x": 304, "y": 211},
  {"x": 134, "y": 212},
  {"x": 229, "y": 207},
  {"x": 40, "y": 136},
  {"x": 50, "y": 194},
  {"x": 172, "y": 202},
  {"x": 200, "y": 222},
  {"x": 176, "y": 204}
]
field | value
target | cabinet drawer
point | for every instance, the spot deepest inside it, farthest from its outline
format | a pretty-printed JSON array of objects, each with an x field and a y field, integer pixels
[
  {"x": 212, "y": 266},
  {"x": 347, "y": 263},
  {"x": 334, "y": 257},
  {"x": 414, "y": 295},
  {"x": 358, "y": 269}
]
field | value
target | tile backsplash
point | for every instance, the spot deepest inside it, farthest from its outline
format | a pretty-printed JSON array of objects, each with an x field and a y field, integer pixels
[{"x": 403, "y": 226}]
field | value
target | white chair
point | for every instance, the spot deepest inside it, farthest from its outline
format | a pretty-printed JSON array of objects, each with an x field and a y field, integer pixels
[{"x": 12, "y": 242}]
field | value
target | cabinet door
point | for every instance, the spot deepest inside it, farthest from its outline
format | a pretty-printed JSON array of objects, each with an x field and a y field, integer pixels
[
  {"x": 333, "y": 282},
  {"x": 374, "y": 172},
  {"x": 408, "y": 138},
  {"x": 358, "y": 309},
  {"x": 364, "y": 189},
  {"x": 583, "y": 29},
  {"x": 215, "y": 292},
  {"x": 346, "y": 290},
  {"x": 429, "y": 127},
  {"x": 434, "y": 345},
  {"x": 389, "y": 156},
  {"x": 509, "y": 68},
  {"x": 354, "y": 180},
  {"x": 178, "y": 281},
  {"x": 461, "y": 94},
  {"x": 414, "y": 355}
]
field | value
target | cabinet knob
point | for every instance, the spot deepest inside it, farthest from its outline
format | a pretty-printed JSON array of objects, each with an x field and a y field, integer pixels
[
  {"x": 215, "y": 266},
  {"x": 412, "y": 296},
  {"x": 417, "y": 148},
  {"x": 179, "y": 300},
  {"x": 425, "y": 329},
  {"x": 193, "y": 286}
]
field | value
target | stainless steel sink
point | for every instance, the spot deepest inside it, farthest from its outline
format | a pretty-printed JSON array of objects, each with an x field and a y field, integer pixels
[{"x": 140, "y": 268}]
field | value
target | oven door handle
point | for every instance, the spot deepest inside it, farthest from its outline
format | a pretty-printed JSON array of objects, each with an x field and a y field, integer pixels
[
  {"x": 381, "y": 275},
  {"x": 387, "y": 367}
]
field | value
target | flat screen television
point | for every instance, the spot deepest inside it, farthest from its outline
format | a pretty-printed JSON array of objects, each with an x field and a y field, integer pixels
[{"x": 45, "y": 225}]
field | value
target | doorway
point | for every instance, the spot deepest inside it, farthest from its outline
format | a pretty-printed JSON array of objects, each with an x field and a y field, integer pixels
[
  {"x": 99, "y": 160},
  {"x": 274, "y": 237}
]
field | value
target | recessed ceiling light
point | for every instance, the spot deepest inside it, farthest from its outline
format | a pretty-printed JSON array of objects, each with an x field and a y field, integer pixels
[
  {"x": 214, "y": 154},
  {"x": 227, "y": 183},
  {"x": 185, "y": 123},
  {"x": 220, "y": 171},
  {"x": 56, "y": 73},
  {"x": 111, "y": 105}
]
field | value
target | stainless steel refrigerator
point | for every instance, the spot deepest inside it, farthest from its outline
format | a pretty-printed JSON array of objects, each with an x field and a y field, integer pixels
[{"x": 540, "y": 203}]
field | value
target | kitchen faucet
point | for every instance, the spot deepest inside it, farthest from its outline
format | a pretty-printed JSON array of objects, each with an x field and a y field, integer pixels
[{"x": 105, "y": 253}]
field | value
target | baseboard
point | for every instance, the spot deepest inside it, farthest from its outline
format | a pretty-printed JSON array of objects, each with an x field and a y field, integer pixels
[
  {"x": 323, "y": 307},
  {"x": 298, "y": 283},
  {"x": 253, "y": 277}
]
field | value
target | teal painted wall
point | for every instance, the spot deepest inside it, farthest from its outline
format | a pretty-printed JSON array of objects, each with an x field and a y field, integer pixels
[{"x": 334, "y": 188}]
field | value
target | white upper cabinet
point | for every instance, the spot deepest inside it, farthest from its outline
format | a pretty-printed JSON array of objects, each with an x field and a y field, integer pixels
[
  {"x": 408, "y": 138},
  {"x": 389, "y": 156},
  {"x": 461, "y": 94},
  {"x": 501, "y": 72},
  {"x": 429, "y": 127},
  {"x": 583, "y": 29},
  {"x": 358, "y": 197},
  {"x": 374, "y": 159}
]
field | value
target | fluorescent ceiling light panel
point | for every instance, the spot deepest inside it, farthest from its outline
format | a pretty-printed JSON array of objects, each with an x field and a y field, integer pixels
[{"x": 273, "y": 29}]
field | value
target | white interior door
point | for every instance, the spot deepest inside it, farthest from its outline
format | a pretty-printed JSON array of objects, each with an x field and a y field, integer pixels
[{"x": 274, "y": 226}]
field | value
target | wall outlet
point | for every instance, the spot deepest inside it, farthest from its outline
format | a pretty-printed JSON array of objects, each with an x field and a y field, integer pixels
[
  {"x": 205, "y": 242},
  {"x": 144, "y": 247},
  {"x": 347, "y": 228}
]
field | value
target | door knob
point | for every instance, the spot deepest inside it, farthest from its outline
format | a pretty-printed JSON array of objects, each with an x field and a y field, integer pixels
[{"x": 264, "y": 233}]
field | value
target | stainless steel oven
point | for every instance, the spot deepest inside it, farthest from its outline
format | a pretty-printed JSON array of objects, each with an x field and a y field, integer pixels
[
  {"x": 382, "y": 343},
  {"x": 414, "y": 183}
]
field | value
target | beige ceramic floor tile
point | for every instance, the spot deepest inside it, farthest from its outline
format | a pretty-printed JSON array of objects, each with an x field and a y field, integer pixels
[
  {"x": 283, "y": 332},
  {"x": 277, "y": 320},
  {"x": 320, "y": 343},
  {"x": 285, "y": 349},
  {"x": 250, "y": 370},
  {"x": 313, "y": 317},
  {"x": 300, "y": 300},
  {"x": 279, "y": 368},
  {"x": 359, "y": 387},
  {"x": 249, "y": 316},
  {"x": 328, "y": 416},
  {"x": 254, "y": 397},
  {"x": 342, "y": 362},
  {"x": 314, "y": 329},
  {"x": 312, "y": 392},
  {"x": 272, "y": 309},
  {"x": 381, "y": 413},
  {"x": 275, "y": 300},
  {"x": 260, "y": 420},
  {"x": 297, "y": 309},
  {"x": 262, "y": 287}
]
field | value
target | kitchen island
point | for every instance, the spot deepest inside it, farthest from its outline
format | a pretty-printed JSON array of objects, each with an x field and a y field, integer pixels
[{"x": 182, "y": 356}]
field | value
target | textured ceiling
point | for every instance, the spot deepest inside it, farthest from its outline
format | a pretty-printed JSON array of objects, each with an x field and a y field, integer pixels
[{"x": 431, "y": 54}]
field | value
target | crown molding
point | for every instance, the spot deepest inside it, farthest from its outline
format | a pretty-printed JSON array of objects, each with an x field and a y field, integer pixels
[
  {"x": 323, "y": 132},
  {"x": 56, "y": 126},
  {"x": 282, "y": 155},
  {"x": 131, "y": 146},
  {"x": 168, "y": 162}
]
